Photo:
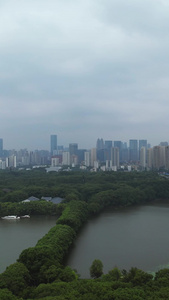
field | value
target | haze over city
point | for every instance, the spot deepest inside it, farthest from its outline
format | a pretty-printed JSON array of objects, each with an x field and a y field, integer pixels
[{"x": 83, "y": 70}]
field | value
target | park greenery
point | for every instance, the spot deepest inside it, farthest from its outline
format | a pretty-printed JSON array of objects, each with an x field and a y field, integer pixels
[{"x": 41, "y": 272}]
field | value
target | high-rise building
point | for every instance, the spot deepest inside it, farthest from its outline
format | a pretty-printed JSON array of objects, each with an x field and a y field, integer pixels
[
  {"x": 93, "y": 156},
  {"x": 73, "y": 150},
  {"x": 73, "y": 147},
  {"x": 159, "y": 156},
  {"x": 1, "y": 147},
  {"x": 107, "y": 151},
  {"x": 167, "y": 157},
  {"x": 53, "y": 144},
  {"x": 100, "y": 144},
  {"x": 115, "y": 157},
  {"x": 133, "y": 150},
  {"x": 108, "y": 144},
  {"x": 163, "y": 144},
  {"x": 101, "y": 155},
  {"x": 80, "y": 155},
  {"x": 143, "y": 157},
  {"x": 119, "y": 144},
  {"x": 149, "y": 158},
  {"x": 87, "y": 158},
  {"x": 142, "y": 143},
  {"x": 65, "y": 158}
]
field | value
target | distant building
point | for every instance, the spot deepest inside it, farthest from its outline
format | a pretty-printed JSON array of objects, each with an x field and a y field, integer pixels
[
  {"x": 133, "y": 150},
  {"x": 167, "y": 157},
  {"x": 142, "y": 143},
  {"x": 1, "y": 147},
  {"x": 87, "y": 158},
  {"x": 119, "y": 145},
  {"x": 107, "y": 150},
  {"x": 73, "y": 147},
  {"x": 115, "y": 157},
  {"x": 108, "y": 144},
  {"x": 158, "y": 157},
  {"x": 93, "y": 156},
  {"x": 53, "y": 169},
  {"x": 53, "y": 144},
  {"x": 143, "y": 157},
  {"x": 149, "y": 158},
  {"x": 65, "y": 158},
  {"x": 2, "y": 165},
  {"x": 11, "y": 161},
  {"x": 54, "y": 161},
  {"x": 100, "y": 144},
  {"x": 163, "y": 144}
]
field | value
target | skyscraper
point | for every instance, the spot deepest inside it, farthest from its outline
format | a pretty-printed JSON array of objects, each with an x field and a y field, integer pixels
[
  {"x": 73, "y": 147},
  {"x": 143, "y": 157},
  {"x": 115, "y": 157},
  {"x": 133, "y": 150},
  {"x": 119, "y": 144},
  {"x": 53, "y": 144},
  {"x": 93, "y": 156},
  {"x": 159, "y": 157},
  {"x": 107, "y": 151},
  {"x": 100, "y": 144},
  {"x": 142, "y": 143},
  {"x": 1, "y": 147}
]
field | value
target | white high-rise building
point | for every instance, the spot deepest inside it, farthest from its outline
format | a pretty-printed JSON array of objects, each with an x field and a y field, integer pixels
[
  {"x": 11, "y": 161},
  {"x": 87, "y": 158},
  {"x": 65, "y": 158},
  {"x": 2, "y": 165},
  {"x": 54, "y": 161}
]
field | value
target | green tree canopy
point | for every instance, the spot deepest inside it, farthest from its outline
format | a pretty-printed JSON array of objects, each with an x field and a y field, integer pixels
[{"x": 96, "y": 269}]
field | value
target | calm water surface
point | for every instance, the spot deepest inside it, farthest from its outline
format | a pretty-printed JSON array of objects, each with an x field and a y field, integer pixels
[
  {"x": 16, "y": 235},
  {"x": 132, "y": 237}
]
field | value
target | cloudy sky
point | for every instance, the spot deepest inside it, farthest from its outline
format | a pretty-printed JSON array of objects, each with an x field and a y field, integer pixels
[{"x": 83, "y": 70}]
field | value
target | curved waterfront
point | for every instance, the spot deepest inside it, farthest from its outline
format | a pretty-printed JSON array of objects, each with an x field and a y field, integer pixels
[
  {"x": 129, "y": 237},
  {"x": 17, "y": 235}
]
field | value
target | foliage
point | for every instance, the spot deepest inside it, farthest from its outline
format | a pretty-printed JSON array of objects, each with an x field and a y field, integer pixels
[
  {"x": 74, "y": 215},
  {"x": 113, "y": 275},
  {"x": 16, "y": 278},
  {"x": 31, "y": 208},
  {"x": 49, "y": 251},
  {"x": 137, "y": 277},
  {"x": 96, "y": 269},
  {"x": 5, "y": 294}
]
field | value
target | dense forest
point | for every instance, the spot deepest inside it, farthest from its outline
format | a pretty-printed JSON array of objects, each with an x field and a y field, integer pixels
[{"x": 40, "y": 272}]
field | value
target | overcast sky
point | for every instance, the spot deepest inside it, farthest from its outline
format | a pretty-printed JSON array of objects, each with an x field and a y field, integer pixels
[{"x": 83, "y": 70}]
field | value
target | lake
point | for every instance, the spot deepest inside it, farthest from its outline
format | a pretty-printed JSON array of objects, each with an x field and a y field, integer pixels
[
  {"x": 129, "y": 237},
  {"x": 17, "y": 235}
]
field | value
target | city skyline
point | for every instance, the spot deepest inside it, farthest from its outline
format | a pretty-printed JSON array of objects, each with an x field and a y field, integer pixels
[
  {"x": 83, "y": 69},
  {"x": 99, "y": 143},
  {"x": 107, "y": 155}
]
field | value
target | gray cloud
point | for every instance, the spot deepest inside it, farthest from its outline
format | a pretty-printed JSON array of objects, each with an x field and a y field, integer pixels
[{"x": 82, "y": 70}]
